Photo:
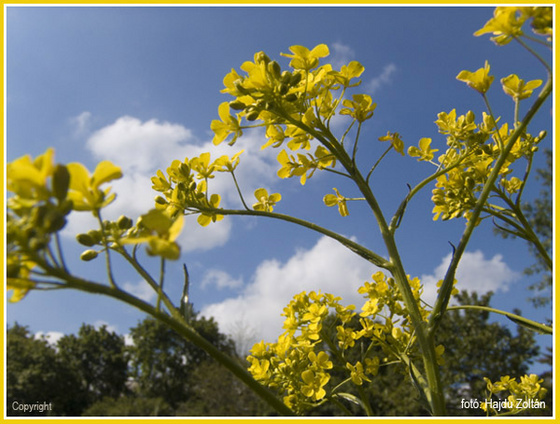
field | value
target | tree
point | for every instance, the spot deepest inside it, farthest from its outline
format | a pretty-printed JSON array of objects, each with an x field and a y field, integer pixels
[
  {"x": 130, "y": 406},
  {"x": 474, "y": 179},
  {"x": 162, "y": 362},
  {"x": 36, "y": 374},
  {"x": 97, "y": 357}
]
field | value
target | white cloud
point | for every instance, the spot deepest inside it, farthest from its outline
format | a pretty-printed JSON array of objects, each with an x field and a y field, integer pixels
[
  {"x": 341, "y": 54},
  {"x": 220, "y": 279},
  {"x": 81, "y": 123},
  {"x": 52, "y": 337},
  {"x": 109, "y": 327},
  {"x": 331, "y": 268},
  {"x": 141, "y": 148},
  {"x": 141, "y": 290},
  {"x": 382, "y": 79},
  {"x": 475, "y": 273},
  {"x": 327, "y": 267}
]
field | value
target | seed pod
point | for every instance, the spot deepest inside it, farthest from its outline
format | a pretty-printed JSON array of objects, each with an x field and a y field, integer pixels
[
  {"x": 85, "y": 240},
  {"x": 89, "y": 255}
]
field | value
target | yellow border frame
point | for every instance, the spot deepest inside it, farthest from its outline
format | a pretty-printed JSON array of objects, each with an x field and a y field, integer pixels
[{"x": 317, "y": 3}]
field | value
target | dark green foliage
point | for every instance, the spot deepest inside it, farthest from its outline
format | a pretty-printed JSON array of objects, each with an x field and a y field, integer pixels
[
  {"x": 130, "y": 406},
  {"x": 162, "y": 362},
  {"x": 35, "y": 373},
  {"x": 98, "y": 358}
]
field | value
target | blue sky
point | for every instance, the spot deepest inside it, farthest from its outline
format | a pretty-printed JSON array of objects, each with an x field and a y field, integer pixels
[{"x": 140, "y": 85}]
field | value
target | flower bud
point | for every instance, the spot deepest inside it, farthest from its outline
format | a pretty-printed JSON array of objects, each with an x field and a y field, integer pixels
[
  {"x": 160, "y": 200},
  {"x": 60, "y": 182},
  {"x": 296, "y": 78},
  {"x": 253, "y": 115},
  {"x": 237, "y": 105},
  {"x": 274, "y": 69},
  {"x": 292, "y": 97},
  {"x": 89, "y": 255},
  {"x": 283, "y": 90},
  {"x": 285, "y": 77},
  {"x": 261, "y": 57},
  {"x": 85, "y": 239},
  {"x": 124, "y": 222}
]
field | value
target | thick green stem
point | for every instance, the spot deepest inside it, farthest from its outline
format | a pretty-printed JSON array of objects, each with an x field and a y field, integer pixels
[{"x": 352, "y": 245}]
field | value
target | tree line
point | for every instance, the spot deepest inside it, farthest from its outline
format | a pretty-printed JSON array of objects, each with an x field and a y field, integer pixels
[{"x": 95, "y": 373}]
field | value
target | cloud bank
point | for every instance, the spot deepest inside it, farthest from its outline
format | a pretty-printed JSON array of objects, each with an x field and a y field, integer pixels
[
  {"x": 140, "y": 148},
  {"x": 331, "y": 268}
]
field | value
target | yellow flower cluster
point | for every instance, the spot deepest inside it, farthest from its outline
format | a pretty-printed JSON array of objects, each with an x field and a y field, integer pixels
[
  {"x": 525, "y": 394},
  {"x": 43, "y": 194},
  {"x": 185, "y": 187},
  {"x": 295, "y": 106},
  {"x": 299, "y": 365},
  {"x": 507, "y": 22},
  {"x": 473, "y": 148}
]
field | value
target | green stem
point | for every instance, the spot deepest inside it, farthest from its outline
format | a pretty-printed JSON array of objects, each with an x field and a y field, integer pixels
[
  {"x": 395, "y": 266},
  {"x": 160, "y": 286},
  {"x": 536, "y": 326},
  {"x": 110, "y": 277},
  {"x": 352, "y": 245},
  {"x": 239, "y": 191},
  {"x": 149, "y": 279}
]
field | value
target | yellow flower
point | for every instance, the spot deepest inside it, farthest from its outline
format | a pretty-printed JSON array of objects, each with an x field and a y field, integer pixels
[
  {"x": 265, "y": 202},
  {"x": 332, "y": 200},
  {"x": 303, "y": 58},
  {"x": 84, "y": 188},
  {"x": 228, "y": 125},
  {"x": 314, "y": 383},
  {"x": 206, "y": 218},
  {"x": 395, "y": 140},
  {"x": 423, "y": 151},
  {"x": 360, "y": 107},
  {"x": 480, "y": 80},
  {"x": 160, "y": 232},
  {"x": 517, "y": 88},
  {"x": 357, "y": 373},
  {"x": 225, "y": 164},
  {"x": 504, "y": 25},
  {"x": 28, "y": 178}
]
